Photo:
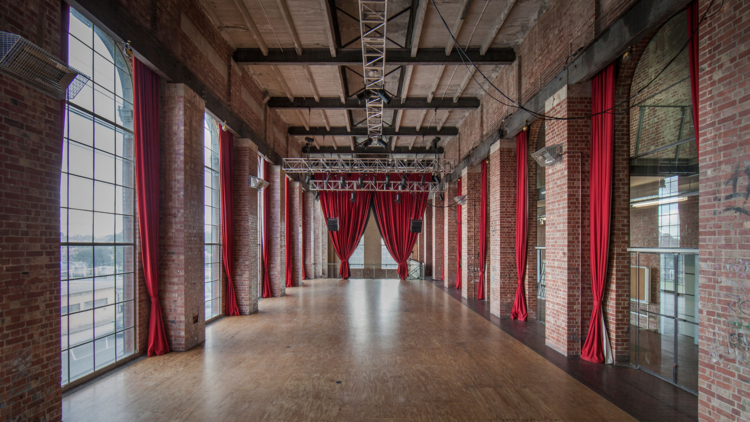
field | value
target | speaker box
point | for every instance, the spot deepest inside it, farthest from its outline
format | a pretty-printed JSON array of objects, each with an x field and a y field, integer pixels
[
  {"x": 416, "y": 226},
  {"x": 333, "y": 224}
]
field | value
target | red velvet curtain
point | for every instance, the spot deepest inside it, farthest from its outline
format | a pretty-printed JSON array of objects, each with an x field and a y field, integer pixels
[
  {"x": 226, "y": 145},
  {"x": 483, "y": 232},
  {"x": 519, "y": 303},
  {"x": 146, "y": 134},
  {"x": 288, "y": 232},
  {"x": 266, "y": 285},
  {"x": 459, "y": 211},
  {"x": 302, "y": 228},
  {"x": 693, "y": 19},
  {"x": 394, "y": 221},
  {"x": 352, "y": 220},
  {"x": 600, "y": 197}
]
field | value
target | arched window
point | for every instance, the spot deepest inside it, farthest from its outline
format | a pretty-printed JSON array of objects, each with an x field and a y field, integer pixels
[{"x": 97, "y": 207}]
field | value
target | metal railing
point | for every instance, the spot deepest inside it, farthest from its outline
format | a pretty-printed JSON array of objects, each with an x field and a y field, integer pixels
[{"x": 367, "y": 271}]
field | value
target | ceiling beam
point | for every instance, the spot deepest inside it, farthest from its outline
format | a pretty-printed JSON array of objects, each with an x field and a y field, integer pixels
[
  {"x": 351, "y": 104},
  {"x": 283, "y": 83},
  {"x": 325, "y": 119},
  {"x": 351, "y": 57},
  {"x": 348, "y": 121},
  {"x": 399, "y": 118},
  {"x": 312, "y": 83},
  {"x": 325, "y": 7},
  {"x": 418, "y": 23},
  {"x": 251, "y": 26},
  {"x": 305, "y": 122},
  {"x": 499, "y": 21},
  {"x": 457, "y": 25},
  {"x": 406, "y": 82},
  {"x": 362, "y": 131},
  {"x": 290, "y": 25},
  {"x": 421, "y": 119},
  {"x": 444, "y": 119},
  {"x": 435, "y": 83},
  {"x": 375, "y": 150},
  {"x": 464, "y": 84},
  {"x": 209, "y": 9}
]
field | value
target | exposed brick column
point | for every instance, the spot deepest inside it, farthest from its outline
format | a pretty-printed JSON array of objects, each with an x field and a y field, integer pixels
[
  {"x": 181, "y": 232},
  {"x": 324, "y": 247},
  {"x": 470, "y": 225},
  {"x": 531, "y": 224},
  {"x": 502, "y": 222},
  {"x": 244, "y": 164},
  {"x": 278, "y": 242},
  {"x": 437, "y": 237},
  {"x": 296, "y": 233},
  {"x": 567, "y": 215},
  {"x": 449, "y": 230},
  {"x": 724, "y": 213},
  {"x": 427, "y": 236},
  {"x": 307, "y": 237},
  {"x": 320, "y": 257}
]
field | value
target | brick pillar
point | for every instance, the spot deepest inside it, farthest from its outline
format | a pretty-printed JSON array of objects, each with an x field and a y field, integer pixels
[
  {"x": 278, "y": 243},
  {"x": 438, "y": 235},
  {"x": 427, "y": 235},
  {"x": 246, "y": 249},
  {"x": 567, "y": 227},
  {"x": 296, "y": 233},
  {"x": 502, "y": 222},
  {"x": 307, "y": 237},
  {"x": 320, "y": 256},
  {"x": 531, "y": 224},
  {"x": 449, "y": 230},
  {"x": 181, "y": 231},
  {"x": 470, "y": 224}
]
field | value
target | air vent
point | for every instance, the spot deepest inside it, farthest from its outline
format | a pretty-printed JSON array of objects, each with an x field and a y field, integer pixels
[
  {"x": 22, "y": 60},
  {"x": 548, "y": 156}
]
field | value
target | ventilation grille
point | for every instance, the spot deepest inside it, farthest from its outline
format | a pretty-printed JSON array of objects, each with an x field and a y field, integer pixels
[
  {"x": 22, "y": 60},
  {"x": 548, "y": 156}
]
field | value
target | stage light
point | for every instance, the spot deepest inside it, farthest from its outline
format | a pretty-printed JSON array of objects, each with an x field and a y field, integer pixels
[
  {"x": 353, "y": 198},
  {"x": 436, "y": 178},
  {"x": 361, "y": 182},
  {"x": 383, "y": 96},
  {"x": 442, "y": 198},
  {"x": 342, "y": 181},
  {"x": 422, "y": 179},
  {"x": 308, "y": 178},
  {"x": 306, "y": 149},
  {"x": 403, "y": 184},
  {"x": 328, "y": 177},
  {"x": 387, "y": 180},
  {"x": 315, "y": 195},
  {"x": 435, "y": 143},
  {"x": 398, "y": 198},
  {"x": 361, "y": 96},
  {"x": 367, "y": 142},
  {"x": 382, "y": 143},
  {"x": 309, "y": 140}
]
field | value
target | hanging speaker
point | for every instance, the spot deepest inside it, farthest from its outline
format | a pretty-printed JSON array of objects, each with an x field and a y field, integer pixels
[
  {"x": 416, "y": 226},
  {"x": 333, "y": 224}
]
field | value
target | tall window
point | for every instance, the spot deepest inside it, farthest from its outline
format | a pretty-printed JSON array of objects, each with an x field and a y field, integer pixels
[
  {"x": 262, "y": 175},
  {"x": 357, "y": 259},
  {"x": 212, "y": 217},
  {"x": 386, "y": 260},
  {"x": 97, "y": 207}
]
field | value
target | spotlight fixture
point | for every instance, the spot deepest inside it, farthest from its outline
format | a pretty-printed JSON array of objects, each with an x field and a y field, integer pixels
[
  {"x": 383, "y": 96},
  {"x": 627, "y": 52},
  {"x": 352, "y": 197},
  {"x": 442, "y": 198},
  {"x": 435, "y": 143},
  {"x": 422, "y": 179},
  {"x": 308, "y": 177},
  {"x": 328, "y": 177},
  {"x": 436, "y": 178},
  {"x": 309, "y": 140},
  {"x": 382, "y": 143},
  {"x": 224, "y": 125},
  {"x": 398, "y": 198},
  {"x": 367, "y": 142},
  {"x": 387, "y": 180},
  {"x": 403, "y": 183},
  {"x": 128, "y": 50},
  {"x": 361, "y": 96},
  {"x": 342, "y": 181},
  {"x": 315, "y": 195},
  {"x": 525, "y": 125},
  {"x": 361, "y": 182}
]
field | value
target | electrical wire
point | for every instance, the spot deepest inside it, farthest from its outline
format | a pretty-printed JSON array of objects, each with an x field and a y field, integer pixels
[{"x": 517, "y": 105}]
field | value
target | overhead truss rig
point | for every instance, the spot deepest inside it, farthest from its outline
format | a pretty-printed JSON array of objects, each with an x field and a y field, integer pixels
[
  {"x": 438, "y": 166},
  {"x": 378, "y": 186},
  {"x": 372, "y": 26}
]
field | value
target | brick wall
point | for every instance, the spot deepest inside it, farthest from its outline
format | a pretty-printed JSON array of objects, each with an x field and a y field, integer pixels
[
  {"x": 502, "y": 188},
  {"x": 470, "y": 231},
  {"x": 246, "y": 242},
  {"x": 296, "y": 233},
  {"x": 724, "y": 214},
  {"x": 530, "y": 279},
  {"x": 181, "y": 231},
  {"x": 567, "y": 235},
  {"x": 438, "y": 236},
  {"x": 307, "y": 239},
  {"x": 427, "y": 236},
  {"x": 449, "y": 229},
  {"x": 31, "y": 153},
  {"x": 278, "y": 241}
]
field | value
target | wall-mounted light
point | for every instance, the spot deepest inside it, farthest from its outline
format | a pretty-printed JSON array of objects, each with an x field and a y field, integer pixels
[
  {"x": 663, "y": 201},
  {"x": 257, "y": 183}
]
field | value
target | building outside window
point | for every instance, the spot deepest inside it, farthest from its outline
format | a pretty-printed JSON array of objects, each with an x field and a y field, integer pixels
[
  {"x": 212, "y": 217},
  {"x": 97, "y": 207}
]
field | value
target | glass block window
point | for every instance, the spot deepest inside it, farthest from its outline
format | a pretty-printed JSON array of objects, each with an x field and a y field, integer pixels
[
  {"x": 97, "y": 208},
  {"x": 212, "y": 217}
]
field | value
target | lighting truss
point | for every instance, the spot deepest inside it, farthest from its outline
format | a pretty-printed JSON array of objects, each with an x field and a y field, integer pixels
[
  {"x": 372, "y": 27},
  {"x": 437, "y": 166},
  {"x": 380, "y": 186}
]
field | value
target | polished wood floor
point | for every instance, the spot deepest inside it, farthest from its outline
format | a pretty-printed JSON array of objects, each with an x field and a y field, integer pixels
[{"x": 355, "y": 350}]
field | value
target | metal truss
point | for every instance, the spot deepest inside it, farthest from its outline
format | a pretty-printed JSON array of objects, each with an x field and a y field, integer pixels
[
  {"x": 380, "y": 186},
  {"x": 372, "y": 28},
  {"x": 437, "y": 166}
]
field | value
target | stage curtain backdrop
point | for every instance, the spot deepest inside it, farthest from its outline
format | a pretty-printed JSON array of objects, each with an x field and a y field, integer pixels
[
  {"x": 352, "y": 219},
  {"x": 693, "y": 19},
  {"x": 266, "y": 246},
  {"x": 597, "y": 348},
  {"x": 146, "y": 138},
  {"x": 288, "y": 247},
  {"x": 459, "y": 211},
  {"x": 394, "y": 220},
  {"x": 226, "y": 146},
  {"x": 481, "y": 294},
  {"x": 519, "y": 303}
]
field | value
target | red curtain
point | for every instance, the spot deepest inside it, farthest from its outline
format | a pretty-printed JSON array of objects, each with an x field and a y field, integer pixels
[
  {"x": 519, "y": 304},
  {"x": 226, "y": 145},
  {"x": 302, "y": 228},
  {"x": 352, "y": 220},
  {"x": 266, "y": 285},
  {"x": 458, "y": 239},
  {"x": 146, "y": 134},
  {"x": 483, "y": 232},
  {"x": 600, "y": 197},
  {"x": 288, "y": 232},
  {"x": 693, "y": 19},
  {"x": 394, "y": 221}
]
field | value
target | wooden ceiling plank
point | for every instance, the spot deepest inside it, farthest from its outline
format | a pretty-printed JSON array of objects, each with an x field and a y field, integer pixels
[
  {"x": 435, "y": 83},
  {"x": 499, "y": 21},
  {"x": 421, "y": 119},
  {"x": 316, "y": 94},
  {"x": 330, "y": 32},
  {"x": 464, "y": 84},
  {"x": 407, "y": 81},
  {"x": 418, "y": 23},
  {"x": 282, "y": 82},
  {"x": 456, "y": 29},
  {"x": 251, "y": 26},
  {"x": 284, "y": 8}
]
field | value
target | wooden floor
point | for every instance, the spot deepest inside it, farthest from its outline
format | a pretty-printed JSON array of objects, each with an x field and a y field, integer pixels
[{"x": 355, "y": 350}]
